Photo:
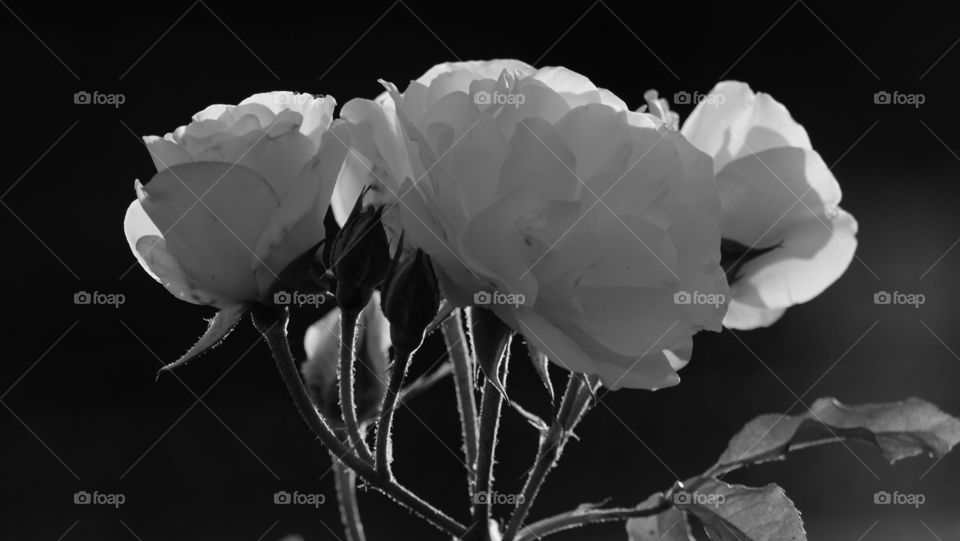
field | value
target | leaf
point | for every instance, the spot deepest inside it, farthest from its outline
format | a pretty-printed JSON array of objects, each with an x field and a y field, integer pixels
[
  {"x": 532, "y": 418},
  {"x": 740, "y": 513},
  {"x": 218, "y": 327},
  {"x": 491, "y": 344},
  {"x": 542, "y": 365},
  {"x": 899, "y": 430},
  {"x": 670, "y": 525}
]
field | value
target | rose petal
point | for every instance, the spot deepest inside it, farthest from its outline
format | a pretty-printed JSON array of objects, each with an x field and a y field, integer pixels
[
  {"x": 298, "y": 224},
  {"x": 165, "y": 153},
  {"x": 212, "y": 239},
  {"x": 812, "y": 255},
  {"x": 735, "y": 122},
  {"x": 541, "y": 161},
  {"x": 765, "y": 194},
  {"x": 743, "y": 317},
  {"x": 599, "y": 138},
  {"x": 147, "y": 244}
]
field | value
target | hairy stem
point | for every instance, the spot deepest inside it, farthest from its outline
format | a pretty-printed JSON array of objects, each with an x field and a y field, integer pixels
[
  {"x": 346, "y": 484},
  {"x": 400, "y": 364},
  {"x": 274, "y": 330},
  {"x": 463, "y": 379},
  {"x": 348, "y": 327},
  {"x": 549, "y": 451},
  {"x": 579, "y": 517},
  {"x": 490, "y": 406}
]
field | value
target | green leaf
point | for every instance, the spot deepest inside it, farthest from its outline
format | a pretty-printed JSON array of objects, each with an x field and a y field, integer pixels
[
  {"x": 740, "y": 513},
  {"x": 899, "y": 430},
  {"x": 670, "y": 525}
]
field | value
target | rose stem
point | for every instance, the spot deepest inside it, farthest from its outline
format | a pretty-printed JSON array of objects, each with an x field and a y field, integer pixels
[
  {"x": 400, "y": 364},
  {"x": 276, "y": 336},
  {"x": 348, "y": 327},
  {"x": 572, "y": 408},
  {"x": 463, "y": 378},
  {"x": 346, "y": 482},
  {"x": 491, "y": 402},
  {"x": 579, "y": 517}
]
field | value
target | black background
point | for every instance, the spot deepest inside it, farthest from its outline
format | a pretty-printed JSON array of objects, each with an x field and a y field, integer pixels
[{"x": 84, "y": 411}]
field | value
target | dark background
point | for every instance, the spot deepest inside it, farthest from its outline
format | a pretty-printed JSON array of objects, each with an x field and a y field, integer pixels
[{"x": 83, "y": 409}]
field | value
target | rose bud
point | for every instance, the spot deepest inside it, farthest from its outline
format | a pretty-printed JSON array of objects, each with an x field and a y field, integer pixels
[
  {"x": 239, "y": 193},
  {"x": 361, "y": 255},
  {"x": 411, "y": 297},
  {"x": 322, "y": 345}
]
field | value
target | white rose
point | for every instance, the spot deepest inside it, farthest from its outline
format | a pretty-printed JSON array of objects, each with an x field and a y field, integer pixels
[
  {"x": 238, "y": 194},
  {"x": 508, "y": 209},
  {"x": 778, "y": 194}
]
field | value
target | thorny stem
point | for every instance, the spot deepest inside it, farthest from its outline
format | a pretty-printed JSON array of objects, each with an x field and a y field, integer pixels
[
  {"x": 400, "y": 364},
  {"x": 490, "y": 405},
  {"x": 275, "y": 331},
  {"x": 348, "y": 327},
  {"x": 463, "y": 379},
  {"x": 578, "y": 517},
  {"x": 346, "y": 484},
  {"x": 572, "y": 408}
]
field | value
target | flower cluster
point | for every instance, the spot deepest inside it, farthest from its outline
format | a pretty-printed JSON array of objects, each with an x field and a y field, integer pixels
[{"x": 607, "y": 237}]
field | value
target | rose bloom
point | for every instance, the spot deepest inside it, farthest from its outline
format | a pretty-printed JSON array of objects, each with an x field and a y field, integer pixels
[
  {"x": 778, "y": 196},
  {"x": 238, "y": 194},
  {"x": 589, "y": 229}
]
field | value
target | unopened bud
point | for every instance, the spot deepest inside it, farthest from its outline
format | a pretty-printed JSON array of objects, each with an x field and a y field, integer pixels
[
  {"x": 360, "y": 257},
  {"x": 411, "y": 297}
]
